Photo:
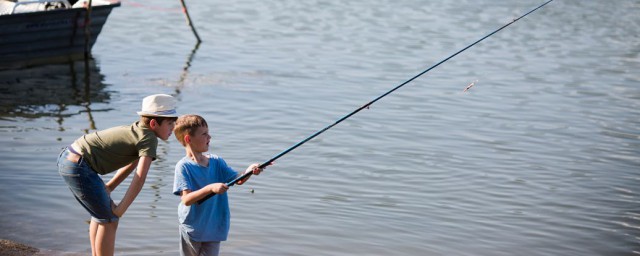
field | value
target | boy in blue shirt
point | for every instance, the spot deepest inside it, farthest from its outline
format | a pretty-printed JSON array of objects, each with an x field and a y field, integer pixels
[{"x": 197, "y": 175}]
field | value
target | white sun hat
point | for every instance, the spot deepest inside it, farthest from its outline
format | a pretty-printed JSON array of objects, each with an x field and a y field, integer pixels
[{"x": 162, "y": 105}]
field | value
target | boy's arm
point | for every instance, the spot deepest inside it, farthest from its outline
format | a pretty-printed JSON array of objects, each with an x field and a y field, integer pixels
[
  {"x": 136, "y": 185},
  {"x": 253, "y": 169},
  {"x": 122, "y": 174},
  {"x": 189, "y": 197}
]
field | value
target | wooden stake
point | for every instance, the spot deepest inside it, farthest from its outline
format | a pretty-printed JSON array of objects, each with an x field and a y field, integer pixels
[
  {"x": 186, "y": 13},
  {"x": 87, "y": 31}
]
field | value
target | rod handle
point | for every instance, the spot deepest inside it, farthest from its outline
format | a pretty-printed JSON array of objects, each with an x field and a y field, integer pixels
[
  {"x": 234, "y": 181},
  {"x": 229, "y": 184}
]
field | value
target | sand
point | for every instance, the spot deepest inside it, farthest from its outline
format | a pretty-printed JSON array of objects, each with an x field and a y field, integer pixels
[{"x": 11, "y": 248}]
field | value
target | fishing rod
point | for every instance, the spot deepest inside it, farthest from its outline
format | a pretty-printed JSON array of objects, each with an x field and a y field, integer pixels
[{"x": 268, "y": 162}]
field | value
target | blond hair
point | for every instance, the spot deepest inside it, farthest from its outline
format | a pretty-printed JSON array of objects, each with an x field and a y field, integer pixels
[{"x": 188, "y": 124}]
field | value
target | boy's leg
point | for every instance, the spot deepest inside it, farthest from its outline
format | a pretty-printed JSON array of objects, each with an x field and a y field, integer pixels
[
  {"x": 90, "y": 191},
  {"x": 93, "y": 229},
  {"x": 105, "y": 238},
  {"x": 209, "y": 248},
  {"x": 192, "y": 248}
]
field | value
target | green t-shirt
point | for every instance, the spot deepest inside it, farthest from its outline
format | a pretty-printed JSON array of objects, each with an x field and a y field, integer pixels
[{"x": 108, "y": 150}]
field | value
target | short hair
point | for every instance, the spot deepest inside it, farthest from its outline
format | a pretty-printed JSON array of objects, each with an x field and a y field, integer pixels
[
  {"x": 188, "y": 124},
  {"x": 160, "y": 119}
]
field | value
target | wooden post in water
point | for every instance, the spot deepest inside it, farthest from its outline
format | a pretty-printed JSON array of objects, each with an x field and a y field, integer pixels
[
  {"x": 87, "y": 31},
  {"x": 186, "y": 13},
  {"x": 87, "y": 47}
]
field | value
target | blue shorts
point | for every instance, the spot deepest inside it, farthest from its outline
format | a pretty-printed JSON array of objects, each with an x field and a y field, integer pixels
[{"x": 87, "y": 187}]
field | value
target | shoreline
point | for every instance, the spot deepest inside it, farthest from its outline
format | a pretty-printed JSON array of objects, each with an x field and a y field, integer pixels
[{"x": 12, "y": 248}]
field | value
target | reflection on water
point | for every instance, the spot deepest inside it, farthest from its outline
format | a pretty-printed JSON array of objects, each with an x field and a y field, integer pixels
[
  {"x": 60, "y": 98},
  {"x": 52, "y": 90},
  {"x": 185, "y": 69}
]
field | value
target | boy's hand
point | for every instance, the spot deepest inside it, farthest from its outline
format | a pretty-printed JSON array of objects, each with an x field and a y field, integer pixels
[
  {"x": 108, "y": 191},
  {"x": 115, "y": 210},
  {"x": 218, "y": 188},
  {"x": 254, "y": 168}
]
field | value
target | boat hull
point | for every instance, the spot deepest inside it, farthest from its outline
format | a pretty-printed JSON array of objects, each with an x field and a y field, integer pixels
[{"x": 48, "y": 36}]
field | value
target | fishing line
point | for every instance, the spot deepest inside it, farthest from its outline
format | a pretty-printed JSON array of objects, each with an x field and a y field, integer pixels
[{"x": 268, "y": 162}]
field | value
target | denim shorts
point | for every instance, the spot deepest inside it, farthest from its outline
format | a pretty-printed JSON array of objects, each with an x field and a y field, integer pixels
[{"x": 87, "y": 187}]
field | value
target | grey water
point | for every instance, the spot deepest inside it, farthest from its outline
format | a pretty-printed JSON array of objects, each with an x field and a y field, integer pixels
[{"x": 540, "y": 157}]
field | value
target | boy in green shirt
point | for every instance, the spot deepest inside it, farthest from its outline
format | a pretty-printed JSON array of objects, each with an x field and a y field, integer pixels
[{"x": 122, "y": 148}]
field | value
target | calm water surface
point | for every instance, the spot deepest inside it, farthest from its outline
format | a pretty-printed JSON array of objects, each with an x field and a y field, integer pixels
[{"x": 540, "y": 157}]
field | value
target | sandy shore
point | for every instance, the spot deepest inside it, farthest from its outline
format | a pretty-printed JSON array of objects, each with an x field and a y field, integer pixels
[{"x": 11, "y": 248}]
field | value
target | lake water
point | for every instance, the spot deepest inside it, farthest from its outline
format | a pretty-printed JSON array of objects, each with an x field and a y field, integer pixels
[{"x": 540, "y": 157}]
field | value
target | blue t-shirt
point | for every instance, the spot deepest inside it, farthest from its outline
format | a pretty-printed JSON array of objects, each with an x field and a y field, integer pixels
[{"x": 210, "y": 220}]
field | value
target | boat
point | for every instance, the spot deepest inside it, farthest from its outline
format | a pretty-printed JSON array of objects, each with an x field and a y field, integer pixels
[{"x": 34, "y": 32}]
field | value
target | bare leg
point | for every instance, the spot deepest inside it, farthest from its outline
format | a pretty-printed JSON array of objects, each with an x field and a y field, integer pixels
[
  {"x": 105, "y": 239},
  {"x": 93, "y": 229}
]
